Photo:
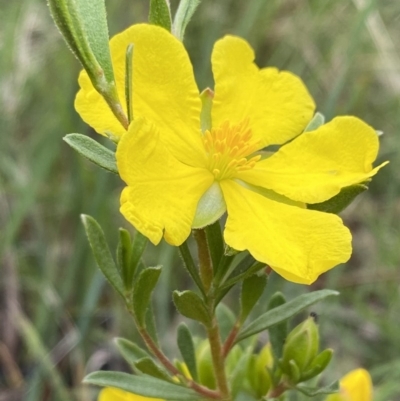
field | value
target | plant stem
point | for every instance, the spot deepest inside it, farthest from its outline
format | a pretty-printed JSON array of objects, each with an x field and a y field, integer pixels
[
  {"x": 230, "y": 341},
  {"x": 218, "y": 359}
]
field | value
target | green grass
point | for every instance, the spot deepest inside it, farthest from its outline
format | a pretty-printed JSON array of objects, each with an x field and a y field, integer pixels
[{"x": 58, "y": 316}]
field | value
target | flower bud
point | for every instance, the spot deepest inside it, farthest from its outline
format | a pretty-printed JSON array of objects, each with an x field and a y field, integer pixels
[
  {"x": 300, "y": 349},
  {"x": 258, "y": 373}
]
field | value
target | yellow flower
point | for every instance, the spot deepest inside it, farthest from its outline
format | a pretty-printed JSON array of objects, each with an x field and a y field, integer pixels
[
  {"x": 355, "y": 386},
  {"x": 175, "y": 172},
  {"x": 115, "y": 394}
]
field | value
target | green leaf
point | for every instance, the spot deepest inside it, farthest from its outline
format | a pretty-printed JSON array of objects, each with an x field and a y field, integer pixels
[
  {"x": 277, "y": 334},
  {"x": 160, "y": 14},
  {"x": 123, "y": 252},
  {"x": 102, "y": 253},
  {"x": 147, "y": 366},
  {"x": 284, "y": 312},
  {"x": 187, "y": 350},
  {"x": 190, "y": 266},
  {"x": 183, "y": 15},
  {"x": 312, "y": 391},
  {"x": 226, "y": 320},
  {"x": 215, "y": 243},
  {"x": 252, "y": 289},
  {"x": 190, "y": 305},
  {"x": 142, "y": 291},
  {"x": 94, "y": 19},
  {"x": 130, "y": 351},
  {"x": 318, "y": 365},
  {"x": 93, "y": 151},
  {"x": 239, "y": 373},
  {"x": 143, "y": 385},
  {"x": 340, "y": 201},
  {"x": 315, "y": 122},
  {"x": 138, "y": 247}
]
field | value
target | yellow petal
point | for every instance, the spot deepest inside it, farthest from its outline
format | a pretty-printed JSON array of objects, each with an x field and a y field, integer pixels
[
  {"x": 162, "y": 193},
  {"x": 94, "y": 110},
  {"x": 299, "y": 244},
  {"x": 115, "y": 394},
  {"x": 357, "y": 385},
  {"x": 276, "y": 103},
  {"x": 164, "y": 90},
  {"x": 318, "y": 164}
]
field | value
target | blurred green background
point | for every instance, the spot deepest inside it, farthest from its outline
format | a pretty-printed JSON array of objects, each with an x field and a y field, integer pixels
[{"x": 57, "y": 315}]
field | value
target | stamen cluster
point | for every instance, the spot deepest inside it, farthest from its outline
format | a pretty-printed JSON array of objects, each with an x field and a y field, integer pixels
[{"x": 228, "y": 147}]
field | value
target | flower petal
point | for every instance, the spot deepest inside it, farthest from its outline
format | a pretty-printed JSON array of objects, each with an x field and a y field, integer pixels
[
  {"x": 318, "y": 164},
  {"x": 162, "y": 193},
  {"x": 276, "y": 103},
  {"x": 357, "y": 385},
  {"x": 164, "y": 90},
  {"x": 115, "y": 394},
  {"x": 94, "y": 110},
  {"x": 298, "y": 244}
]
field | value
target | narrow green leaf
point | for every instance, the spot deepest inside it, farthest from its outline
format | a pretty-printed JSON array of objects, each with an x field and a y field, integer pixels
[
  {"x": 93, "y": 151},
  {"x": 190, "y": 266},
  {"x": 123, "y": 252},
  {"x": 102, "y": 253},
  {"x": 143, "y": 385},
  {"x": 130, "y": 351},
  {"x": 93, "y": 17},
  {"x": 284, "y": 312},
  {"x": 226, "y": 320},
  {"x": 247, "y": 273},
  {"x": 138, "y": 247},
  {"x": 160, "y": 14},
  {"x": 187, "y": 350},
  {"x": 66, "y": 17},
  {"x": 252, "y": 289},
  {"x": 183, "y": 15},
  {"x": 190, "y": 305},
  {"x": 129, "y": 81},
  {"x": 147, "y": 366},
  {"x": 341, "y": 200},
  {"x": 315, "y": 122},
  {"x": 150, "y": 323},
  {"x": 142, "y": 291},
  {"x": 312, "y": 391},
  {"x": 238, "y": 376},
  {"x": 277, "y": 334},
  {"x": 215, "y": 243}
]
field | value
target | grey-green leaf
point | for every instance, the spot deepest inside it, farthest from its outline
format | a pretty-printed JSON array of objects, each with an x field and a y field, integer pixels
[
  {"x": 183, "y": 15},
  {"x": 147, "y": 366},
  {"x": 284, "y": 312},
  {"x": 102, "y": 253},
  {"x": 143, "y": 385},
  {"x": 252, "y": 289},
  {"x": 160, "y": 14},
  {"x": 93, "y": 17},
  {"x": 277, "y": 334},
  {"x": 312, "y": 391},
  {"x": 190, "y": 305},
  {"x": 142, "y": 291},
  {"x": 130, "y": 351},
  {"x": 93, "y": 151},
  {"x": 340, "y": 201},
  {"x": 187, "y": 350}
]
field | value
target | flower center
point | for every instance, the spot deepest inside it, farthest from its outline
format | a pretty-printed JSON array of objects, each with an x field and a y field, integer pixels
[{"x": 228, "y": 148}]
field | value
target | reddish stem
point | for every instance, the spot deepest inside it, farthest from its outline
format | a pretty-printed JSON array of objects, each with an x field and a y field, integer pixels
[{"x": 230, "y": 340}]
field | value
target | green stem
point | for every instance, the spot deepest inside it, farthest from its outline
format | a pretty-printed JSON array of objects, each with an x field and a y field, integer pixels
[{"x": 218, "y": 359}]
